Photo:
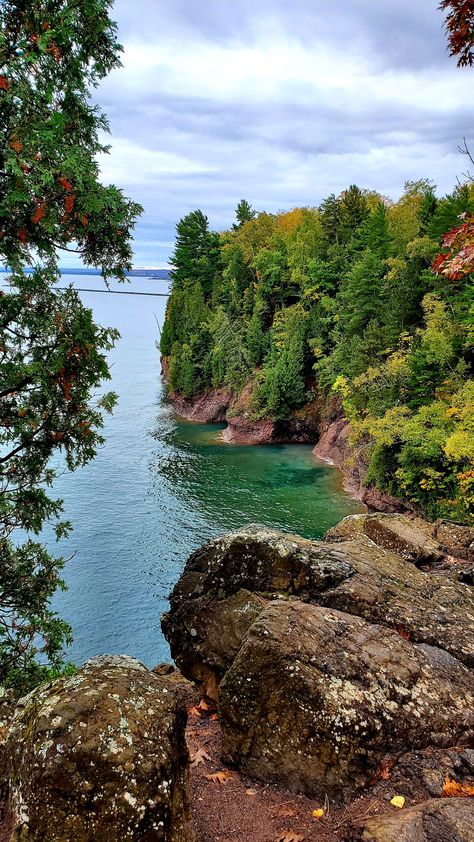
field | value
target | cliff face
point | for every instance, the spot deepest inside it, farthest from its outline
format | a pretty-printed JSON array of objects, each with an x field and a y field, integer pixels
[
  {"x": 223, "y": 405},
  {"x": 320, "y": 422},
  {"x": 334, "y": 448}
]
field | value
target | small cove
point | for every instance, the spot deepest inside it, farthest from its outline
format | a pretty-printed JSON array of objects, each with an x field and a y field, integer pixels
[{"x": 160, "y": 487}]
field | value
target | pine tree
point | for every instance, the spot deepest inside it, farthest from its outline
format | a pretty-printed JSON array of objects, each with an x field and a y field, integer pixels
[
  {"x": 360, "y": 294},
  {"x": 354, "y": 211},
  {"x": 243, "y": 213},
  {"x": 197, "y": 254},
  {"x": 375, "y": 234}
]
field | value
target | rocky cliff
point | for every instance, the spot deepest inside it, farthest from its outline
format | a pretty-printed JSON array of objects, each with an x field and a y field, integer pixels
[
  {"x": 342, "y": 671},
  {"x": 332, "y": 660},
  {"x": 321, "y": 422}
]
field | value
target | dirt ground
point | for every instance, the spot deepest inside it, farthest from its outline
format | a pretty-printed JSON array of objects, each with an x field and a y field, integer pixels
[
  {"x": 228, "y": 807},
  {"x": 242, "y": 810}
]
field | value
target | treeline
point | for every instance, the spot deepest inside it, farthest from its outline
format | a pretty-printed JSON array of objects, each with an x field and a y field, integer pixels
[{"x": 340, "y": 298}]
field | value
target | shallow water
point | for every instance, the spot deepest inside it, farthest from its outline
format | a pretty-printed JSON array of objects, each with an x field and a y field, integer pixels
[{"x": 160, "y": 487}]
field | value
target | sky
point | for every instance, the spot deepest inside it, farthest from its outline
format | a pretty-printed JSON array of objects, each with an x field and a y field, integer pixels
[{"x": 279, "y": 103}]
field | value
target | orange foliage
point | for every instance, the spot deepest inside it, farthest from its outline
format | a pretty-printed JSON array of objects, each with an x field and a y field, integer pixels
[
  {"x": 453, "y": 789},
  {"x": 69, "y": 204},
  {"x": 39, "y": 213},
  {"x": 65, "y": 183},
  {"x": 458, "y": 260},
  {"x": 16, "y": 144},
  {"x": 4, "y": 83}
]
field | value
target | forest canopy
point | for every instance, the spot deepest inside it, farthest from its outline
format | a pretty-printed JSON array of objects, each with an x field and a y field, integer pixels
[{"x": 356, "y": 298}]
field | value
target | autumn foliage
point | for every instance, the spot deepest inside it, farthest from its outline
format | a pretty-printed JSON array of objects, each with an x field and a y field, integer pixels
[
  {"x": 457, "y": 261},
  {"x": 460, "y": 29},
  {"x": 53, "y": 355}
]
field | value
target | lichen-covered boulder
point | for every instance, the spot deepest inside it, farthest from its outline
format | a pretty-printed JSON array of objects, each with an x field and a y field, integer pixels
[
  {"x": 224, "y": 587},
  {"x": 100, "y": 757},
  {"x": 316, "y": 698},
  {"x": 409, "y": 537},
  {"x": 457, "y": 540},
  {"x": 437, "y": 820},
  {"x": 228, "y": 582}
]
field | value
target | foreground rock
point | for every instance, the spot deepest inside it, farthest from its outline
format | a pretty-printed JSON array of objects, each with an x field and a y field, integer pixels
[
  {"x": 417, "y": 540},
  {"x": 316, "y": 698},
  {"x": 440, "y": 820},
  {"x": 100, "y": 757},
  {"x": 228, "y": 582}
]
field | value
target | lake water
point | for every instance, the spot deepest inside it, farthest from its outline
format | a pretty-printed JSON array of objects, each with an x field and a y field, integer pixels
[{"x": 160, "y": 487}]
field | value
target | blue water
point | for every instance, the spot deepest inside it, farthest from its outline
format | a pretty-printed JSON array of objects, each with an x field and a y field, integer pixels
[{"x": 159, "y": 488}]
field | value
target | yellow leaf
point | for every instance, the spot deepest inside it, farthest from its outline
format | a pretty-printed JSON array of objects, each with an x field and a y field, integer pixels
[
  {"x": 318, "y": 814},
  {"x": 398, "y": 801}
]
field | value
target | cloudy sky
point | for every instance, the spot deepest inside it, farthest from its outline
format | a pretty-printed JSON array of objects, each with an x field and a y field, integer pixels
[{"x": 281, "y": 103}]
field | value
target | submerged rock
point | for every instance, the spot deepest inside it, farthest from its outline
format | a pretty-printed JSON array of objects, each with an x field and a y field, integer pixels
[
  {"x": 316, "y": 698},
  {"x": 437, "y": 820},
  {"x": 100, "y": 757}
]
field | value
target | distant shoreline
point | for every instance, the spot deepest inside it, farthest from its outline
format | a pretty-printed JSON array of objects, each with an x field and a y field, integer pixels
[{"x": 157, "y": 274}]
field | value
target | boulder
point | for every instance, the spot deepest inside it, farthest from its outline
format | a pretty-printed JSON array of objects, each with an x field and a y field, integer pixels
[
  {"x": 413, "y": 538},
  {"x": 419, "y": 775},
  {"x": 437, "y": 820},
  {"x": 457, "y": 540},
  {"x": 100, "y": 757},
  {"x": 224, "y": 587},
  {"x": 226, "y": 584},
  {"x": 316, "y": 698},
  {"x": 208, "y": 407}
]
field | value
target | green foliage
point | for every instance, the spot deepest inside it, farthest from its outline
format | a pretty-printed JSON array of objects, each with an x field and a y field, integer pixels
[
  {"x": 343, "y": 297},
  {"x": 53, "y": 354}
]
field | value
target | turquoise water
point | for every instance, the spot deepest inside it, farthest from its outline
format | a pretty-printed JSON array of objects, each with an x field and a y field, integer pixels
[{"x": 159, "y": 488}]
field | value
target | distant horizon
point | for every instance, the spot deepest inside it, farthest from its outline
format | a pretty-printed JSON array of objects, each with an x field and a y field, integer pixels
[{"x": 88, "y": 270}]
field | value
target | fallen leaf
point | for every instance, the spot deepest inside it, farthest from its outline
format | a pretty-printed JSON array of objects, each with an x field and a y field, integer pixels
[
  {"x": 214, "y": 717},
  {"x": 194, "y": 713},
  {"x": 398, "y": 801},
  {"x": 318, "y": 814},
  {"x": 290, "y": 837},
  {"x": 199, "y": 756},
  {"x": 453, "y": 789},
  {"x": 384, "y": 771},
  {"x": 251, "y": 792},
  {"x": 203, "y": 705},
  {"x": 219, "y": 777},
  {"x": 285, "y": 812}
]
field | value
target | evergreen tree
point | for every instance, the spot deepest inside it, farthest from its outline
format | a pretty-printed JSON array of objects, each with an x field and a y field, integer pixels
[
  {"x": 197, "y": 255},
  {"x": 354, "y": 211},
  {"x": 375, "y": 234},
  {"x": 360, "y": 294},
  {"x": 54, "y": 356},
  {"x": 243, "y": 213},
  {"x": 331, "y": 218}
]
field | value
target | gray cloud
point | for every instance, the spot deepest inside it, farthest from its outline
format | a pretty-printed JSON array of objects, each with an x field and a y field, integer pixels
[{"x": 281, "y": 103}]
